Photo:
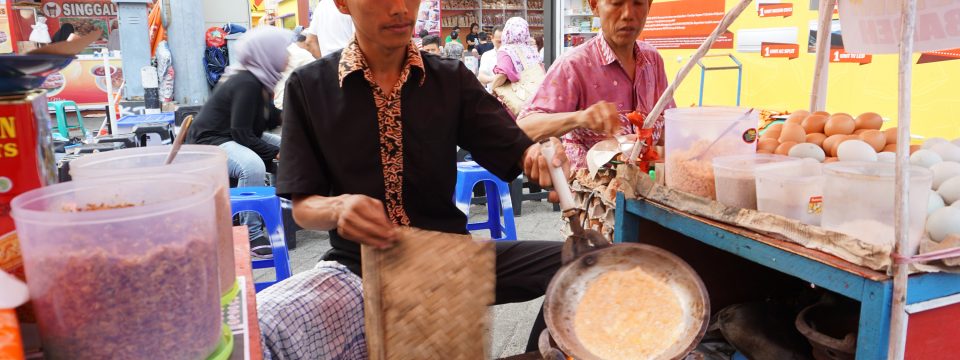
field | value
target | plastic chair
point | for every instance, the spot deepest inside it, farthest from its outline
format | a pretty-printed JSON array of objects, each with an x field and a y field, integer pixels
[
  {"x": 468, "y": 175},
  {"x": 264, "y": 201},
  {"x": 60, "y": 107}
]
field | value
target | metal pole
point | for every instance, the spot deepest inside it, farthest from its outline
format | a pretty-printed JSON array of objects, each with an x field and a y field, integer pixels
[
  {"x": 185, "y": 36},
  {"x": 818, "y": 94},
  {"x": 898, "y": 315}
]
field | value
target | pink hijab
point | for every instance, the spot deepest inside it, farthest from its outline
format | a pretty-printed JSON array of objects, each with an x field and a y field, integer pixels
[{"x": 516, "y": 37}]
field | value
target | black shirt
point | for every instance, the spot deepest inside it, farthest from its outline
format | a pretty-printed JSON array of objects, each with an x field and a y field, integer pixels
[
  {"x": 474, "y": 38},
  {"x": 239, "y": 110},
  {"x": 331, "y": 141},
  {"x": 482, "y": 48}
]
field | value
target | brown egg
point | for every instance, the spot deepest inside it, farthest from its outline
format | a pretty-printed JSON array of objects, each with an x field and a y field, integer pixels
[
  {"x": 891, "y": 134},
  {"x": 764, "y": 152},
  {"x": 830, "y": 160},
  {"x": 890, "y": 148},
  {"x": 814, "y": 124},
  {"x": 875, "y": 138},
  {"x": 869, "y": 120},
  {"x": 822, "y": 113},
  {"x": 839, "y": 124},
  {"x": 772, "y": 132},
  {"x": 784, "y": 148},
  {"x": 860, "y": 131},
  {"x": 797, "y": 116},
  {"x": 914, "y": 148},
  {"x": 768, "y": 144},
  {"x": 830, "y": 142},
  {"x": 816, "y": 138},
  {"x": 792, "y": 132}
]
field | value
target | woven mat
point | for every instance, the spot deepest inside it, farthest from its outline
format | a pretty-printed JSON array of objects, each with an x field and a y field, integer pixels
[{"x": 427, "y": 297}]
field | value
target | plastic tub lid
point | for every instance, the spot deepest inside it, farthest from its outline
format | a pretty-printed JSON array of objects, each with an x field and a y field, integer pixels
[
  {"x": 780, "y": 171},
  {"x": 746, "y": 164},
  {"x": 873, "y": 170},
  {"x": 14, "y": 292}
]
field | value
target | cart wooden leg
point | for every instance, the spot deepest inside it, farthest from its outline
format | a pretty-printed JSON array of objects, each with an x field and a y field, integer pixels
[
  {"x": 628, "y": 224},
  {"x": 874, "y": 320}
]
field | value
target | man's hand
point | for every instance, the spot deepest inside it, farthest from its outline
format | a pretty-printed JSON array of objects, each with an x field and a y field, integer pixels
[
  {"x": 362, "y": 219},
  {"x": 601, "y": 117},
  {"x": 535, "y": 166}
]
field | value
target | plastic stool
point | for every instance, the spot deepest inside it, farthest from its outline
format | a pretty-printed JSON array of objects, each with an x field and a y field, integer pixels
[
  {"x": 60, "y": 107},
  {"x": 163, "y": 130},
  {"x": 468, "y": 175},
  {"x": 264, "y": 201}
]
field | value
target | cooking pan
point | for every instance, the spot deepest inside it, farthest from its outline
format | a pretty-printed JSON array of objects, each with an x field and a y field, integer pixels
[{"x": 586, "y": 256}]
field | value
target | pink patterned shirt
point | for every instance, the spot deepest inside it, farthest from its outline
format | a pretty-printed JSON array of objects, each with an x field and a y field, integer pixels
[{"x": 591, "y": 73}]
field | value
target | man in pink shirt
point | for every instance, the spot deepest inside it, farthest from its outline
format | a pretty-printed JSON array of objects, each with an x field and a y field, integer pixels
[{"x": 587, "y": 90}]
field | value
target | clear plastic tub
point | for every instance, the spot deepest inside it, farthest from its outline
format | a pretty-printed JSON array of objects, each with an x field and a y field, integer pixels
[
  {"x": 118, "y": 269},
  {"x": 858, "y": 200},
  {"x": 209, "y": 161},
  {"x": 736, "y": 180},
  {"x": 690, "y": 131},
  {"x": 793, "y": 190}
]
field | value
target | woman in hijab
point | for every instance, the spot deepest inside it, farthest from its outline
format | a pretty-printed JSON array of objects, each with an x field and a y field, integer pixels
[
  {"x": 519, "y": 65},
  {"x": 241, "y": 110}
]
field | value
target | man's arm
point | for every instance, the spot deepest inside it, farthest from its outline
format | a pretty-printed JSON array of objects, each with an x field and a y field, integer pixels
[
  {"x": 355, "y": 217},
  {"x": 601, "y": 117}
]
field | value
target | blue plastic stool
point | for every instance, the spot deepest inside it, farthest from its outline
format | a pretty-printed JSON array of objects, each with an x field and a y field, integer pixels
[
  {"x": 468, "y": 175},
  {"x": 60, "y": 107},
  {"x": 264, "y": 201}
]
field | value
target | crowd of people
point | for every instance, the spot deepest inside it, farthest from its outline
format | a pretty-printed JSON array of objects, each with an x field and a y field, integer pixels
[{"x": 366, "y": 149}]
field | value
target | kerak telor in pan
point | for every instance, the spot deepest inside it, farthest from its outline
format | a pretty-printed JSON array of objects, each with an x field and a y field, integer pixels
[{"x": 634, "y": 301}]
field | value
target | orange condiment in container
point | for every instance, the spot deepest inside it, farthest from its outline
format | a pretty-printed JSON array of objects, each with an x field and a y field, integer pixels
[{"x": 13, "y": 295}]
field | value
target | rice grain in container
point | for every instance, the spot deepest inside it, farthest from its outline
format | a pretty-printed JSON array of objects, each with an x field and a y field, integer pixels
[
  {"x": 210, "y": 161},
  {"x": 690, "y": 131},
  {"x": 27, "y": 162}
]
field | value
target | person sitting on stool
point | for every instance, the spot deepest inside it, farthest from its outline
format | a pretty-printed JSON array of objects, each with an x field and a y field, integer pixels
[{"x": 241, "y": 110}]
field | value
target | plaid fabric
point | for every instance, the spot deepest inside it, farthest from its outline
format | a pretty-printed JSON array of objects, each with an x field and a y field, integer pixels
[{"x": 317, "y": 314}]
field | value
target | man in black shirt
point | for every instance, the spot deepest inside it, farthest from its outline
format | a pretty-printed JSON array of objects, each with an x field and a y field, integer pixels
[
  {"x": 485, "y": 44},
  {"x": 369, "y": 143}
]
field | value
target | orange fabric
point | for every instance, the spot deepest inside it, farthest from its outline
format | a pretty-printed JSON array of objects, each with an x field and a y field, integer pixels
[
  {"x": 157, "y": 32},
  {"x": 11, "y": 347}
]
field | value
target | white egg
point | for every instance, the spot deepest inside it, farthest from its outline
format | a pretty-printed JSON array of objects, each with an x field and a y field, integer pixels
[
  {"x": 931, "y": 142},
  {"x": 950, "y": 190},
  {"x": 856, "y": 150},
  {"x": 947, "y": 151},
  {"x": 925, "y": 158},
  {"x": 944, "y": 222},
  {"x": 808, "y": 151},
  {"x": 887, "y": 157},
  {"x": 956, "y": 141},
  {"x": 935, "y": 203},
  {"x": 944, "y": 171}
]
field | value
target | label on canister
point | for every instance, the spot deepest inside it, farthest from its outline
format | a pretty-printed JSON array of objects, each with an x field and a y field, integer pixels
[
  {"x": 815, "y": 206},
  {"x": 11, "y": 345},
  {"x": 26, "y": 163}
]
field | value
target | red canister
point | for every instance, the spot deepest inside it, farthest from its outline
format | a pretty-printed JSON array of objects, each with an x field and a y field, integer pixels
[{"x": 26, "y": 162}]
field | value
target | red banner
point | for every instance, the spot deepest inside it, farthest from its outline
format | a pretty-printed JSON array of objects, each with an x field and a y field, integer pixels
[
  {"x": 937, "y": 56},
  {"x": 84, "y": 81},
  {"x": 841, "y": 56},
  {"x": 779, "y": 50},
  {"x": 685, "y": 24},
  {"x": 775, "y": 10}
]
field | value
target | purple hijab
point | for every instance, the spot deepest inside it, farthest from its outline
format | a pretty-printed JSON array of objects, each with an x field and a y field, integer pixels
[
  {"x": 516, "y": 37},
  {"x": 263, "y": 52}
]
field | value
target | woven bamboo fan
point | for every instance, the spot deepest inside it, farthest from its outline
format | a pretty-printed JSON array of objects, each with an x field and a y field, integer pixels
[{"x": 427, "y": 297}]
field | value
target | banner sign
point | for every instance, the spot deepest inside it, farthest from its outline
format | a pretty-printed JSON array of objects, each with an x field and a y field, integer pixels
[
  {"x": 874, "y": 26},
  {"x": 779, "y": 50},
  {"x": 775, "y": 10},
  {"x": 685, "y": 24}
]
